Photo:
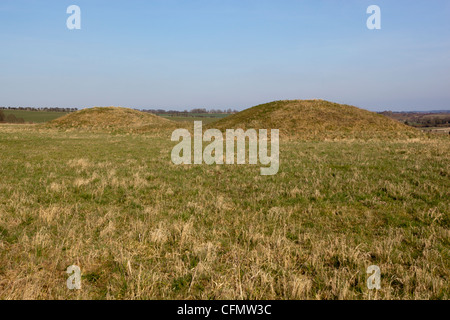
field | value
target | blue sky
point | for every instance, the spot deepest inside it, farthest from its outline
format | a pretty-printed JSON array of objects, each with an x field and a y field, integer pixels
[{"x": 182, "y": 54}]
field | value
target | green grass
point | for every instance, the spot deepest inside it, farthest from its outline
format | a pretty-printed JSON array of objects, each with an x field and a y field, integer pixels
[
  {"x": 35, "y": 116},
  {"x": 142, "y": 228}
]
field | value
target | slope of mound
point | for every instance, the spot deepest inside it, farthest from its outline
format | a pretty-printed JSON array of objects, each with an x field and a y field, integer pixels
[
  {"x": 111, "y": 119},
  {"x": 316, "y": 119}
]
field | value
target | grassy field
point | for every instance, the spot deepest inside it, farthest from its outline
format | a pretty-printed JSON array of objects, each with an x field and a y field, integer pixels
[
  {"x": 142, "y": 228},
  {"x": 35, "y": 116},
  {"x": 45, "y": 116}
]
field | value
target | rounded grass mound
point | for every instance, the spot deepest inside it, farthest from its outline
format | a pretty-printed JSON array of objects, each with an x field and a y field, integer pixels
[
  {"x": 111, "y": 119},
  {"x": 317, "y": 119}
]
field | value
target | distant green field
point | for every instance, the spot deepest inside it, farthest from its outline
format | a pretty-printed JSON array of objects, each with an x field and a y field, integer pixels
[{"x": 35, "y": 116}]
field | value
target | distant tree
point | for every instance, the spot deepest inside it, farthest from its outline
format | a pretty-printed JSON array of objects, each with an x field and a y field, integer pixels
[
  {"x": 10, "y": 118},
  {"x": 198, "y": 110}
]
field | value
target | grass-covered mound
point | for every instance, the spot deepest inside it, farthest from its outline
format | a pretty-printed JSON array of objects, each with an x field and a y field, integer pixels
[
  {"x": 111, "y": 119},
  {"x": 317, "y": 119}
]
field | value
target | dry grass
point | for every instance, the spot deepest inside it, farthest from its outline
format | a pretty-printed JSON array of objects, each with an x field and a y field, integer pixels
[
  {"x": 142, "y": 228},
  {"x": 317, "y": 120},
  {"x": 111, "y": 119}
]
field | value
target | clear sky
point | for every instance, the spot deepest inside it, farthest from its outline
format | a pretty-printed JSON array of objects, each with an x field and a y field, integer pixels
[{"x": 183, "y": 54}]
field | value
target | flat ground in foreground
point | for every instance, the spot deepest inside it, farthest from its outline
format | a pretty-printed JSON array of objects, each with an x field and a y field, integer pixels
[{"x": 142, "y": 228}]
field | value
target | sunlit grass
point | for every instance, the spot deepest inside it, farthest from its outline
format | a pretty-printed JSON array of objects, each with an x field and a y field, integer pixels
[{"x": 142, "y": 228}]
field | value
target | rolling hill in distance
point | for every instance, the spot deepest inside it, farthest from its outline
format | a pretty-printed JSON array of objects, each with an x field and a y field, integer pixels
[
  {"x": 111, "y": 119},
  {"x": 316, "y": 119}
]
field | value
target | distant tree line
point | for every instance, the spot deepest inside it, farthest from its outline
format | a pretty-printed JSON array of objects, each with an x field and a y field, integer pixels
[
  {"x": 433, "y": 122},
  {"x": 421, "y": 119},
  {"x": 40, "y": 109},
  {"x": 156, "y": 111},
  {"x": 193, "y": 111}
]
